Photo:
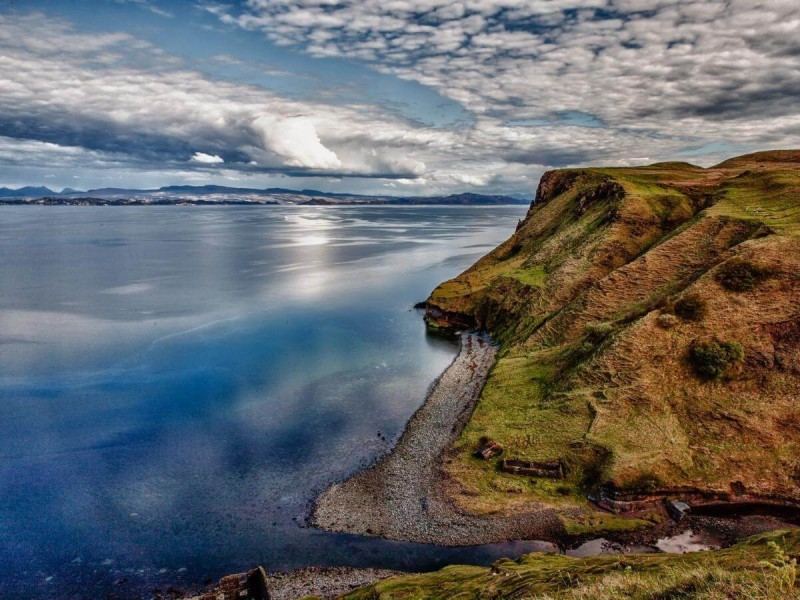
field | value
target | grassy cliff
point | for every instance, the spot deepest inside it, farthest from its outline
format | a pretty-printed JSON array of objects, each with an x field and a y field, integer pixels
[
  {"x": 650, "y": 327},
  {"x": 762, "y": 567}
]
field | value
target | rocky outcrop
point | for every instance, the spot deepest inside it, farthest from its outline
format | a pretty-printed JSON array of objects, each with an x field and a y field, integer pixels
[
  {"x": 312, "y": 582},
  {"x": 554, "y": 183}
]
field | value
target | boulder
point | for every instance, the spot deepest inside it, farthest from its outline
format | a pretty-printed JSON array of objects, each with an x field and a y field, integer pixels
[{"x": 489, "y": 450}]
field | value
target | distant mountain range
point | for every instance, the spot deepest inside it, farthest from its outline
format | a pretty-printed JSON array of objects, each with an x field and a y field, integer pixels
[
  {"x": 26, "y": 192},
  {"x": 218, "y": 194}
]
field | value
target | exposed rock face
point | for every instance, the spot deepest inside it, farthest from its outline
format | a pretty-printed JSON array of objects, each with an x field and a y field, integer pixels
[
  {"x": 578, "y": 297},
  {"x": 554, "y": 183},
  {"x": 242, "y": 586}
]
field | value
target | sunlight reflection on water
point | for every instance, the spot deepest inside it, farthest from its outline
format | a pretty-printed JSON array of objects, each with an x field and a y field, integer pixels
[{"x": 176, "y": 384}]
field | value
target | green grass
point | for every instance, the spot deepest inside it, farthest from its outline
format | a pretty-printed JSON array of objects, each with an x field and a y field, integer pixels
[
  {"x": 595, "y": 521},
  {"x": 534, "y": 276},
  {"x": 574, "y": 380},
  {"x": 516, "y": 412},
  {"x": 771, "y": 198},
  {"x": 762, "y": 567},
  {"x": 452, "y": 289}
]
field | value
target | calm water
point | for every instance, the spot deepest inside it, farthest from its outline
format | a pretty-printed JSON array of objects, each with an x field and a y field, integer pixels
[{"x": 176, "y": 384}]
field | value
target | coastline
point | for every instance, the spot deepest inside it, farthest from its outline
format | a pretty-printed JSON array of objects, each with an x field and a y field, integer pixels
[
  {"x": 402, "y": 497},
  {"x": 316, "y": 582}
]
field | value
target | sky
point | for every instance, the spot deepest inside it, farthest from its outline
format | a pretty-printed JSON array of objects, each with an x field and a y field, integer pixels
[{"x": 386, "y": 96}]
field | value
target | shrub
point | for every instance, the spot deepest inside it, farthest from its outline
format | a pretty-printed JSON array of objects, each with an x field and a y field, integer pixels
[
  {"x": 691, "y": 308},
  {"x": 740, "y": 275},
  {"x": 712, "y": 359},
  {"x": 665, "y": 305},
  {"x": 667, "y": 321}
]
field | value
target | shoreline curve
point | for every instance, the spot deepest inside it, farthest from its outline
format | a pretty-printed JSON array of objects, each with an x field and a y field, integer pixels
[{"x": 402, "y": 497}]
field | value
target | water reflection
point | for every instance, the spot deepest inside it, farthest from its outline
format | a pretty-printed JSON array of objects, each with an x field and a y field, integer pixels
[{"x": 177, "y": 383}]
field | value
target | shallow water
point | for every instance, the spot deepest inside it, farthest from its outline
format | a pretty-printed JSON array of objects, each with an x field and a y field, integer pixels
[
  {"x": 176, "y": 384},
  {"x": 679, "y": 543},
  {"x": 687, "y": 541}
]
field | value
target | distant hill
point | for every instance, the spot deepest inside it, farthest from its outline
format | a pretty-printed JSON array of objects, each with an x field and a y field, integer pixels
[
  {"x": 207, "y": 194},
  {"x": 25, "y": 192},
  {"x": 460, "y": 199}
]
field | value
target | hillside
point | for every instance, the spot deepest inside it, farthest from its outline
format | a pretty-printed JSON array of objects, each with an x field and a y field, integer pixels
[
  {"x": 649, "y": 321},
  {"x": 205, "y": 194},
  {"x": 761, "y": 567}
]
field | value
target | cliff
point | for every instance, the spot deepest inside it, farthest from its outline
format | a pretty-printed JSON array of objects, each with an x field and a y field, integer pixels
[{"x": 650, "y": 327}]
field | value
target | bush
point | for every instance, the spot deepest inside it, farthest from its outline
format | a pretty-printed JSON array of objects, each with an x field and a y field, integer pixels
[
  {"x": 691, "y": 308},
  {"x": 563, "y": 490},
  {"x": 665, "y": 305},
  {"x": 740, "y": 275},
  {"x": 712, "y": 359}
]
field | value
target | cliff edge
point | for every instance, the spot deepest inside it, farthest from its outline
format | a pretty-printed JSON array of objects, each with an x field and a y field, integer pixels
[{"x": 649, "y": 321}]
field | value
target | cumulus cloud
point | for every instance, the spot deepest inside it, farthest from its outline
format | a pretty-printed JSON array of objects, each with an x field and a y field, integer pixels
[
  {"x": 295, "y": 139},
  {"x": 207, "y": 159},
  {"x": 680, "y": 71},
  {"x": 113, "y": 93}
]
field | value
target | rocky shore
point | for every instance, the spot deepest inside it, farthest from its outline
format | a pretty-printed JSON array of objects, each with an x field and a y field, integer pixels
[
  {"x": 322, "y": 582},
  {"x": 401, "y": 496},
  {"x": 313, "y": 582}
]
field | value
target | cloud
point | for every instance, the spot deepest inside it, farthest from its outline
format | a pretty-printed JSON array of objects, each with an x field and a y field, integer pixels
[
  {"x": 207, "y": 159},
  {"x": 546, "y": 83},
  {"x": 684, "y": 72},
  {"x": 114, "y": 94},
  {"x": 153, "y": 7},
  {"x": 295, "y": 139}
]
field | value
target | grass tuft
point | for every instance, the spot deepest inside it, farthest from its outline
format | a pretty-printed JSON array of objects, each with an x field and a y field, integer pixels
[{"x": 763, "y": 567}]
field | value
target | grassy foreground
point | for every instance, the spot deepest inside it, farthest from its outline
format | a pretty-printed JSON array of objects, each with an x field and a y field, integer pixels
[
  {"x": 761, "y": 567},
  {"x": 650, "y": 327}
]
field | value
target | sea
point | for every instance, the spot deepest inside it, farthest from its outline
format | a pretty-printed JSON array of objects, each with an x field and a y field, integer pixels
[{"x": 177, "y": 384}]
